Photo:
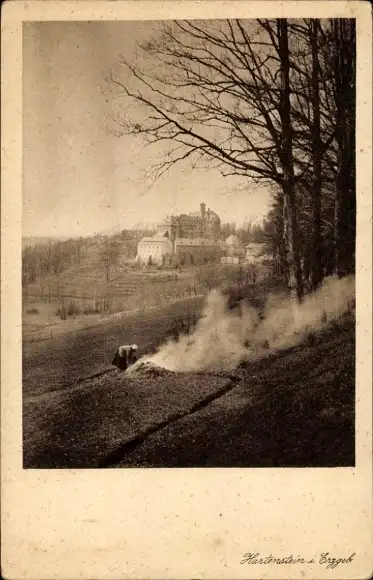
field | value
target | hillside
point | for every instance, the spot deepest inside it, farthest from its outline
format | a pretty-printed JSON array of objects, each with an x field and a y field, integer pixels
[
  {"x": 84, "y": 293},
  {"x": 41, "y": 240},
  {"x": 61, "y": 361},
  {"x": 293, "y": 408},
  {"x": 83, "y": 287},
  {"x": 84, "y": 280}
]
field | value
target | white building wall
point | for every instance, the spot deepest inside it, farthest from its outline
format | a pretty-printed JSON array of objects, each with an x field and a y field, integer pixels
[
  {"x": 232, "y": 260},
  {"x": 154, "y": 249}
]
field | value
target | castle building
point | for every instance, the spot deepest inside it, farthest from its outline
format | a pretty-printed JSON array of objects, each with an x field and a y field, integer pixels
[{"x": 186, "y": 239}]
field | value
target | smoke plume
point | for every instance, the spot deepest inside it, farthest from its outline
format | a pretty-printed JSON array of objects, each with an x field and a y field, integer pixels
[{"x": 223, "y": 338}]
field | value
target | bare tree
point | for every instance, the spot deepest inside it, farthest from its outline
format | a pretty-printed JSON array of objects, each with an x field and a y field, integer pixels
[
  {"x": 324, "y": 111},
  {"x": 109, "y": 257},
  {"x": 316, "y": 249},
  {"x": 343, "y": 59},
  {"x": 220, "y": 92},
  {"x": 205, "y": 98},
  {"x": 253, "y": 98},
  {"x": 286, "y": 158}
]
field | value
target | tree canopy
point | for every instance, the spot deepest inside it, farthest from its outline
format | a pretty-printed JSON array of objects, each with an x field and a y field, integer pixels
[{"x": 271, "y": 100}]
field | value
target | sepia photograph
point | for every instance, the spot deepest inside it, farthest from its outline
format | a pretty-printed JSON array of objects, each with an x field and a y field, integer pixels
[
  {"x": 186, "y": 290},
  {"x": 188, "y": 243}
]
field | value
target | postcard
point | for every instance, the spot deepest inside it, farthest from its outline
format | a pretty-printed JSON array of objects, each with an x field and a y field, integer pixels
[{"x": 186, "y": 290}]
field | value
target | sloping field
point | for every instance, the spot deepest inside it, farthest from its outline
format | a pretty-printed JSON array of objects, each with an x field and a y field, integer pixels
[
  {"x": 63, "y": 360},
  {"x": 84, "y": 287},
  {"x": 82, "y": 280},
  {"x": 294, "y": 408},
  {"x": 85, "y": 425}
]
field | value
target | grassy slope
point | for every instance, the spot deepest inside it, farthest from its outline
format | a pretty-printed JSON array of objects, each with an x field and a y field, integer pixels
[
  {"x": 81, "y": 280},
  {"x": 61, "y": 361},
  {"x": 81, "y": 426},
  {"x": 85, "y": 285},
  {"x": 293, "y": 408}
]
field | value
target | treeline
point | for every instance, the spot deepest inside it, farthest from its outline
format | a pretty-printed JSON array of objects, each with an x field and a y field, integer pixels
[
  {"x": 279, "y": 98},
  {"x": 246, "y": 234},
  {"x": 54, "y": 257},
  {"x": 311, "y": 228}
]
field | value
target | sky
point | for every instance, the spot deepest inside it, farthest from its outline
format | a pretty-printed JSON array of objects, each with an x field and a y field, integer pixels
[{"x": 79, "y": 178}]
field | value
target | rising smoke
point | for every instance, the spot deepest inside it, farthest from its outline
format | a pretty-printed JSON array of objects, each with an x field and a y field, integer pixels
[{"x": 223, "y": 338}]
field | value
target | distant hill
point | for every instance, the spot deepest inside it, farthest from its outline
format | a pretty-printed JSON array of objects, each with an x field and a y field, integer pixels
[
  {"x": 41, "y": 240},
  {"x": 134, "y": 234}
]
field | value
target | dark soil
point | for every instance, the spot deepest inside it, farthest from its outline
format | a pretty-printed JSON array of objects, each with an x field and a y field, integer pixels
[
  {"x": 294, "y": 408},
  {"x": 86, "y": 425}
]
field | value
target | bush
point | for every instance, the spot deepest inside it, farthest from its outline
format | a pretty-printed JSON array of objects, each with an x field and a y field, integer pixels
[
  {"x": 61, "y": 312},
  {"x": 73, "y": 309},
  {"x": 312, "y": 339},
  {"x": 32, "y": 311},
  {"x": 92, "y": 309},
  {"x": 210, "y": 277},
  {"x": 255, "y": 295}
]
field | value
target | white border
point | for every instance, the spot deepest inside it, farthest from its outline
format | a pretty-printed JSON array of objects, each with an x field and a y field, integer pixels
[{"x": 167, "y": 523}]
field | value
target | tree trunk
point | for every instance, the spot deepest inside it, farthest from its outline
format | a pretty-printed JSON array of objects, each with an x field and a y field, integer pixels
[
  {"x": 316, "y": 246},
  {"x": 290, "y": 216},
  {"x": 344, "y": 67},
  {"x": 26, "y": 288},
  {"x": 307, "y": 265}
]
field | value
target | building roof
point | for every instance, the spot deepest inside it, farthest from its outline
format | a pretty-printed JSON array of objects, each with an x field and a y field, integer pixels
[
  {"x": 256, "y": 250},
  {"x": 253, "y": 245},
  {"x": 239, "y": 251},
  {"x": 213, "y": 216},
  {"x": 161, "y": 235},
  {"x": 174, "y": 219},
  {"x": 155, "y": 239},
  {"x": 233, "y": 241}
]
